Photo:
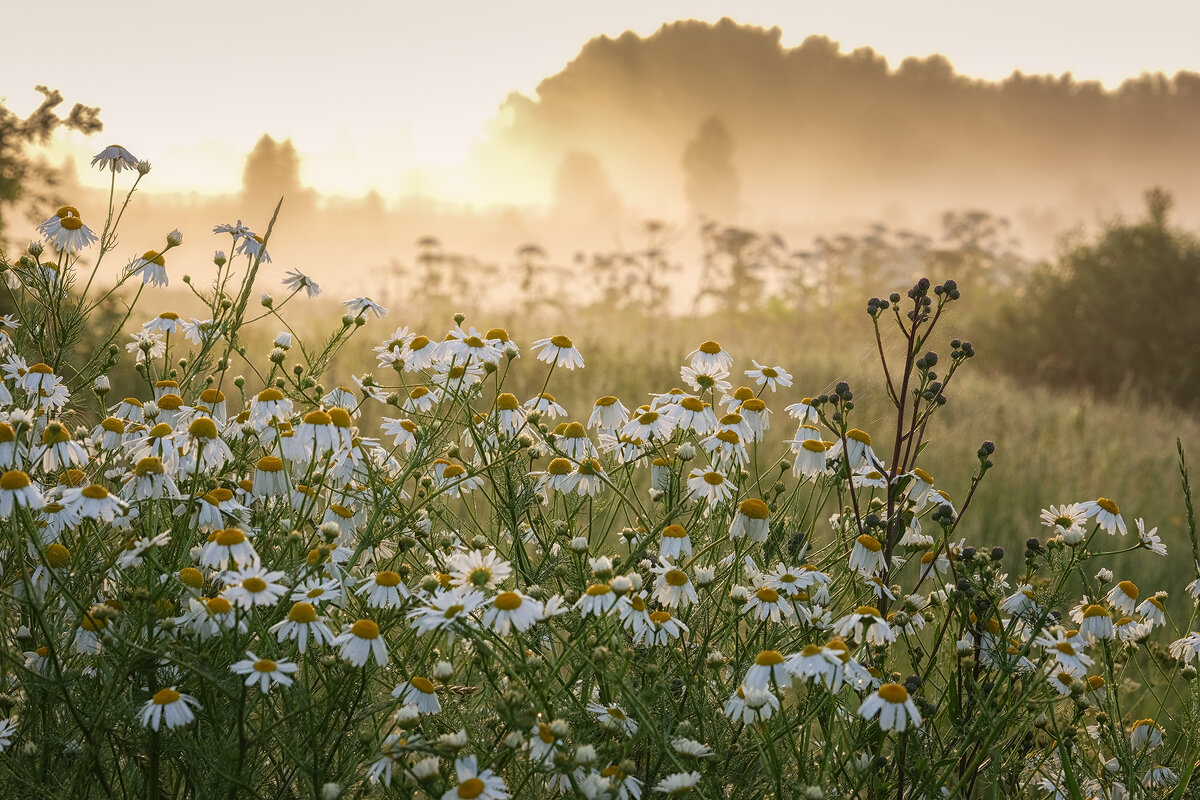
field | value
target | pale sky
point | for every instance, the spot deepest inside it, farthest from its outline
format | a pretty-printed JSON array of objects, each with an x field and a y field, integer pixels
[{"x": 391, "y": 95}]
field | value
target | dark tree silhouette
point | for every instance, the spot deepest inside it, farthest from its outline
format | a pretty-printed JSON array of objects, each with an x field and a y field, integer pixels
[
  {"x": 710, "y": 178},
  {"x": 24, "y": 181}
]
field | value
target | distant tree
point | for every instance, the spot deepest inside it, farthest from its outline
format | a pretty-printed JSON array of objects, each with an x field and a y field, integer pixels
[
  {"x": 710, "y": 178},
  {"x": 1117, "y": 313},
  {"x": 22, "y": 179},
  {"x": 272, "y": 171}
]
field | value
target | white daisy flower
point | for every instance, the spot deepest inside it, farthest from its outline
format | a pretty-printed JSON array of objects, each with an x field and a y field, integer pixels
[
  {"x": 511, "y": 610},
  {"x": 753, "y": 520},
  {"x": 677, "y": 783},
  {"x": 672, "y": 586},
  {"x": 445, "y": 608},
  {"x": 253, "y": 585},
  {"x": 93, "y": 502},
  {"x": 867, "y": 556},
  {"x": 1145, "y": 735},
  {"x": 1107, "y": 515},
  {"x": 296, "y": 280},
  {"x": 771, "y": 377},
  {"x": 71, "y": 235},
  {"x": 384, "y": 589},
  {"x": 613, "y": 717},
  {"x": 301, "y": 622},
  {"x": 1065, "y": 652},
  {"x": 264, "y": 671},
  {"x": 1150, "y": 538},
  {"x": 710, "y": 355},
  {"x": 361, "y": 306},
  {"x": 657, "y": 628},
  {"x": 1096, "y": 623},
  {"x": 558, "y": 351},
  {"x": 169, "y": 707},
  {"x": 476, "y": 569},
  {"x": 608, "y": 414},
  {"x": 475, "y": 784},
  {"x": 419, "y": 692},
  {"x": 710, "y": 485},
  {"x": 153, "y": 268},
  {"x": 361, "y": 641},
  {"x": 599, "y": 599},
  {"x": 1123, "y": 596},
  {"x": 895, "y": 709},
  {"x": 115, "y": 158},
  {"x": 253, "y": 247},
  {"x": 18, "y": 491}
]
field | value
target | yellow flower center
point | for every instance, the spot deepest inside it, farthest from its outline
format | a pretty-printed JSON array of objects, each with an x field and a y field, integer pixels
[
  {"x": 164, "y": 697},
  {"x": 58, "y": 556},
  {"x": 598, "y": 589},
  {"x": 859, "y": 436},
  {"x": 893, "y": 693},
  {"x": 94, "y": 492},
  {"x": 562, "y": 342},
  {"x": 254, "y": 584},
  {"x": 559, "y": 466},
  {"x": 507, "y": 601},
  {"x": 714, "y": 478},
  {"x": 768, "y": 658},
  {"x": 754, "y": 509},
  {"x": 387, "y": 578},
  {"x": 270, "y": 464},
  {"x": 219, "y": 605},
  {"x": 767, "y": 595},
  {"x": 303, "y": 613},
  {"x": 1108, "y": 505},
  {"x": 1129, "y": 588},
  {"x": 365, "y": 629},
  {"x": 229, "y": 537},
  {"x": 13, "y": 480},
  {"x": 264, "y": 665},
  {"x": 317, "y": 417},
  {"x": 675, "y": 577},
  {"x": 710, "y": 348},
  {"x": 869, "y": 542},
  {"x": 674, "y": 532},
  {"x": 192, "y": 577}
]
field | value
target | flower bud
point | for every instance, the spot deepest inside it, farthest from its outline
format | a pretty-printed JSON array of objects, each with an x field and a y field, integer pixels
[
  {"x": 143, "y": 167},
  {"x": 174, "y": 238},
  {"x": 219, "y": 258}
]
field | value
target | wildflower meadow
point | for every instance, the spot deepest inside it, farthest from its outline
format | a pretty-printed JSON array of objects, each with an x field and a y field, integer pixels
[{"x": 224, "y": 578}]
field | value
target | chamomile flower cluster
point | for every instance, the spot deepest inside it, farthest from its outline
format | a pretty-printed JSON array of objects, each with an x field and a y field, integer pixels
[{"x": 425, "y": 579}]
